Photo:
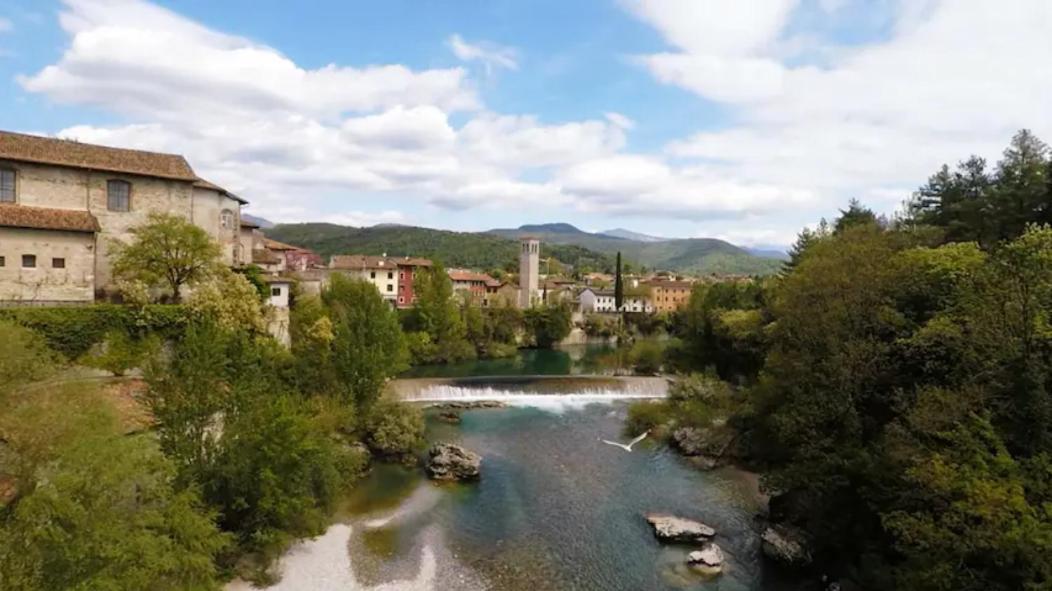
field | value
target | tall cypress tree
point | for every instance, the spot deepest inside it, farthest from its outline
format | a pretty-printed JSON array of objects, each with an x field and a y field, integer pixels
[{"x": 619, "y": 286}]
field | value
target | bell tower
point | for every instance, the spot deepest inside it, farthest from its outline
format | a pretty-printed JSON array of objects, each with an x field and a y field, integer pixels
[{"x": 529, "y": 269}]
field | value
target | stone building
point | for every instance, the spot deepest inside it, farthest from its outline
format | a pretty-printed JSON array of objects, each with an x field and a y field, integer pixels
[
  {"x": 529, "y": 271},
  {"x": 65, "y": 203},
  {"x": 669, "y": 295},
  {"x": 394, "y": 277}
]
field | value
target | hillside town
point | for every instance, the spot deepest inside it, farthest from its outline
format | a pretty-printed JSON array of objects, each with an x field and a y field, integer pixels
[{"x": 65, "y": 204}]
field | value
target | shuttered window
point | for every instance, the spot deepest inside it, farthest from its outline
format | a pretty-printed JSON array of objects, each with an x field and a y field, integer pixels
[
  {"x": 7, "y": 185},
  {"x": 118, "y": 195}
]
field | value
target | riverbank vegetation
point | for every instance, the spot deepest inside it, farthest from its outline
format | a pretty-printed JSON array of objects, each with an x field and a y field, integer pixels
[
  {"x": 893, "y": 382},
  {"x": 216, "y": 450}
]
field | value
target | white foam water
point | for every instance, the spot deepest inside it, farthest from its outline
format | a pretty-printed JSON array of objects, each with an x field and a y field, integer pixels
[{"x": 550, "y": 402}]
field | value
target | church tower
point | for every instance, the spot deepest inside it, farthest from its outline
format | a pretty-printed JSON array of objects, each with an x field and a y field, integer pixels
[{"x": 529, "y": 270}]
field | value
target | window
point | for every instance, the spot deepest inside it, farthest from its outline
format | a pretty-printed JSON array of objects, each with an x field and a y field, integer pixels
[
  {"x": 7, "y": 185},
  {"x": 401, "y": 300},
  {"x": 3, "y": 261},
  {"x": 226, "y": 219},
  {"x": 372, "y": 274},
  {"x": 58, "y": 263},
  {"x": 401, "y": 275},
  {"x": 390, "y": 275},
  {"x": 29, "y": 261},
  {"x": 275, "y": 291},
  {"x": 390, "y": 287},
  {"x": 118, "y": 195}
]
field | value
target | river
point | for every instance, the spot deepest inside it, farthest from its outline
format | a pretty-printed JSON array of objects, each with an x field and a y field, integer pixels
[{"x": 555, "y": 509}]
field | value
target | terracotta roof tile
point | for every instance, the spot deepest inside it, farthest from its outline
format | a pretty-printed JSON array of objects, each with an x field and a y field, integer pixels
[
  {"x": 46, "y": 218},
  {"x": 45, "y": 150},
  {"x": 275, "y": 245},
  {"x": 364, "y": 261}
]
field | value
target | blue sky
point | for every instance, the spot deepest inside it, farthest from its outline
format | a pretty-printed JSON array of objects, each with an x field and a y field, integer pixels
[{"x": 738, "y": 119}]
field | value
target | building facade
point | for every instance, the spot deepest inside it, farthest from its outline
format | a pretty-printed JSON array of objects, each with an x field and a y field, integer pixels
[
  {"x": 602, "y": 301},
  {"x": 393, "y": 277},
  {"x": 669, "y": 295},
  {"x": 66, "y": 203}
]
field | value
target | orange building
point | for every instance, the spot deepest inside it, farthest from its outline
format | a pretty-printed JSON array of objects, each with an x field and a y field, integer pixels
[{"x": 669, "y": 295}]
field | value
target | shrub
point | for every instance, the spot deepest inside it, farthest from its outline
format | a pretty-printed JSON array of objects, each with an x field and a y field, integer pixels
[
  {"x": 394, "y": 428},
  {"x": 72, "y": 331},
  {"x": 648, "y": 414},
  {"x": 646, "y": 357},
  {"x": 24, "y": 356},
  {"x": 549, "y": 324},
  {"x": 230, "y": 300},
  {"x": 120, "y": 352}
]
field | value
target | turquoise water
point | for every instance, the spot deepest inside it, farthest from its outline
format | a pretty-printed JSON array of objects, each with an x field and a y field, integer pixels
[
  {"x": 571, "y": 360},
  {"x": 555, "y": 509}
]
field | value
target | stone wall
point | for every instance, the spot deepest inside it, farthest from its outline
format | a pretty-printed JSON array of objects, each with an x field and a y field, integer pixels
[
  {"x": 45, "y": 284},
  {"x": 208, "y": 207}
]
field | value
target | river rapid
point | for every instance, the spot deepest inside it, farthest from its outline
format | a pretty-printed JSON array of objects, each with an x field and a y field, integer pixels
[{"x": 555, "y": 509}]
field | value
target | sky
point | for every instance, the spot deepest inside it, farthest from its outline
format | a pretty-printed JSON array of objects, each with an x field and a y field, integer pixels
[{"x": 738, "y": 119}]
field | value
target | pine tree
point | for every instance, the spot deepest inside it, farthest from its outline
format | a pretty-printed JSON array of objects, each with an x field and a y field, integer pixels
[{"x": 619, "y": 285}]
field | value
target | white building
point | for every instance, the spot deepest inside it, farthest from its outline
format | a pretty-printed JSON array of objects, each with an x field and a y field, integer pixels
[
  {"x": 529, "y": 271},
  {"x": 602, "y": 301}
]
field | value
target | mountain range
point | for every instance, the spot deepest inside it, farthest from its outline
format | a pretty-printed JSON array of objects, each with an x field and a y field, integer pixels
[{"x": 498, "y": 248}]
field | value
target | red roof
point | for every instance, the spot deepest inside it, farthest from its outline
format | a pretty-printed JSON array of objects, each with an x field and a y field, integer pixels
[{"x": 46, "y": 218}]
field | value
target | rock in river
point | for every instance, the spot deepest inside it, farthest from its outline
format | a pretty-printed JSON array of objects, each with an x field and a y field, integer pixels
[
  {"x": 669, "y": 528},
  {"x": 452, "y": 462},
  {"x": 708, "y": 560},
  {"x": 786, "y": 545},
  {"x": 449, "y": 416}
]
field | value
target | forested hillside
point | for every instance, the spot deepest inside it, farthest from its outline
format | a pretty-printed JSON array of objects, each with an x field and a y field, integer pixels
[
  {"x": 454, "y": 249},
  {"x": 691, "y": 255}
]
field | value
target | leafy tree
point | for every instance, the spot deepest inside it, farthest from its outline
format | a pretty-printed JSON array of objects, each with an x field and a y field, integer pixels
[
  {"x": 97, "y": 509},
  {"x": 230, "y": 300},
  {"x": 436, "y": 313},
  {"x": 549, "y": 324},
  {"x": 856, "y": 214},
  {"x": 167, "y": 251},
  {"x": 367, "y": 345},
  {"x": 394, "y": 428}
]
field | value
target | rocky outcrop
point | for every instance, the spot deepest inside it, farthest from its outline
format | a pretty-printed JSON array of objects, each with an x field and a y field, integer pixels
[
  {"x": 469, "y": 405},
  {"x": 449, "y": 416},
  {"x": 708, "y": 560},
  {"x": 704, "y": 447},
  {"x": 452, "y": 462},
  {"x": 786, "y": 545},
  {"x": 669, "y": 528}
]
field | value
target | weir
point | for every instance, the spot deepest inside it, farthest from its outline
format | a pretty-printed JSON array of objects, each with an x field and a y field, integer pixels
[{"x": 522, "y": 388}]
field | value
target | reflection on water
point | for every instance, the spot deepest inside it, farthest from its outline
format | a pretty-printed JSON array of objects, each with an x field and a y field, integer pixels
[
  {"x": 571, "y": 360},
  {"x": 555, "y": 509}
]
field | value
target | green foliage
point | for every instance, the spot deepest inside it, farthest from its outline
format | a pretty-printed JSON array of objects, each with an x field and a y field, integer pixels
[
  {"x": 24, "y": 357},
  {"x": 97, "y": 509},
  {"x": 367, "y": 345},
  {"x": 394, "y": 428},
  {"x": 230, "y": 300},
  {"x": 601, "y": 326},
  {"x": 120, "y": 352},
  {"x": 549, "y": 324},
  {"x": 255, "y": 276},
  {"x": 72, "y": 331},
  {"x": 274, "y": 476},
  {"x": 648, "y": 415},
  {"x": 723, "y": 326},
  {"x": 973, "y": 204},
  {"x": 437, "y": 314},
  {"x": 167, "y": 251},
  {"x": 646, "y": 357}
]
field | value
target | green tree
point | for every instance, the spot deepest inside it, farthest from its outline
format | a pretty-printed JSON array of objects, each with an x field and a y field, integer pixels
[
  {"x": 619, "y": 285},
  {"x": 549, "y": 324},
  {"x": 97, "y": 509},
  {"x": 168, "y": 251},
  {"x": 436, "y": 313},
  {"x": 394, "y": 428},
  {"x": 367, "y": 345}
]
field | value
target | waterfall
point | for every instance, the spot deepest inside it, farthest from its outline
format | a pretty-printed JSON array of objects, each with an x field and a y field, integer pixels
[{"x": 537, "y": 391}]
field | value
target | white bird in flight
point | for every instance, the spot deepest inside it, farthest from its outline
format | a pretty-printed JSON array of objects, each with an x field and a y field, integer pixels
[{"x": 630, "y": 443}]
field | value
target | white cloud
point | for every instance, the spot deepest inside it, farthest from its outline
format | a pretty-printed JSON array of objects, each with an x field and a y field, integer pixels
[
  {"x": 620, "y": 121},
  {"x": 490, "y": 55},
  {"x": 952, "y": 78}
]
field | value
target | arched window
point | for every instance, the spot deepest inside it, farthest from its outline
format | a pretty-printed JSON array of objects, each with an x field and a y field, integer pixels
[
  {"x": 118, "y": 195},
  {"x": 226, "y": 219}
]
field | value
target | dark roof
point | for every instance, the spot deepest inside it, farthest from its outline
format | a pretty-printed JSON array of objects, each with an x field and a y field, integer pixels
[
  {"x": 248, "y": 224},
  {"x": 46, "y": 150},
  {"x": 204, "y": 184},
  {"x": 46, "y": 218}
]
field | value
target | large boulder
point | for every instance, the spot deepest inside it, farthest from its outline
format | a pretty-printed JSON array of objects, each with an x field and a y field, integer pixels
[
  {"x": 452, "y": 462},
  {"x": 669, "y": 528},
  {"x": 786, "y": 545},
  {"x": 706, "y": 448},
  {"x": 708, "y": 560}
]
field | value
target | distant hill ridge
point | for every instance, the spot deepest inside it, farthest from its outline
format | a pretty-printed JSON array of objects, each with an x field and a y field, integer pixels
[{"x": 498, "y": 248}]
